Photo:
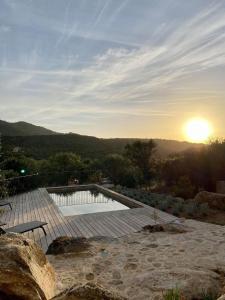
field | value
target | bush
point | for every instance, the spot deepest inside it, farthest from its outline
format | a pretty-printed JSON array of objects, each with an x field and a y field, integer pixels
[
  {"x": 163, "y": 205},
  {"x": 177, "y": 207},
  {"x": 191, "y": 208},
  {"x": 183, "y": 188},
  {"x": 204, "y": 209},
  {"x": 171, "y": 200},
  {"x": 96, "y": 177},
  {"x": 209, "y": 296}
]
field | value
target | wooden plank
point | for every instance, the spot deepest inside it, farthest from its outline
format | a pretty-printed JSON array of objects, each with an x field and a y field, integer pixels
[
  {"x": 51, "y": 230},
  {"x": 38, "y": 205},
  {"x": 97, "y": 223},
  {"x": 59, "y": 219},
  {"x": 39, "y": 214}
]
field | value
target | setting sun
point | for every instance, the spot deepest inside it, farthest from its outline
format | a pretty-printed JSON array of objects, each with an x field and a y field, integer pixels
[{"x": 198, "y": 130}]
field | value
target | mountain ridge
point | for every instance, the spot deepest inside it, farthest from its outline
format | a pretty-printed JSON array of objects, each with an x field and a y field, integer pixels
[
  {"x": 39, "y": 142},
  {"x": 22, "y": 128}
]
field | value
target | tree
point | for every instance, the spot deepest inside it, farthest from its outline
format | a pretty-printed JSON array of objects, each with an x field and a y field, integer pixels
[
  {"x": 120, "y": 170},
  {"x": 195, "y": 170},
  {"x": 140, "y": 154},
  {"x": 59, "y": 168}
]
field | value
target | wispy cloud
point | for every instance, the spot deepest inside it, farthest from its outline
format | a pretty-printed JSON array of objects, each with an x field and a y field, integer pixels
[
  {"x": 4, "y": 29},
  {"x": 92, "y": 72}
]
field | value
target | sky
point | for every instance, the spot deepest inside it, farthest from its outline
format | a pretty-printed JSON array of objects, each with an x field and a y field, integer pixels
[{"x": 113, "y": 68}]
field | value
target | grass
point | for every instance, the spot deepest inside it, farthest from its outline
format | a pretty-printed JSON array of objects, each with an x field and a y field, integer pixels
[
  {"x": 209, "y": 296},
  {"x": 173, "y": 294}
]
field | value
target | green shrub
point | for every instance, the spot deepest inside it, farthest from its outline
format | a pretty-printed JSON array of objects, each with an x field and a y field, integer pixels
[
  {"x": 177, "y": 208},
  {"x": 154, "y": 203},
  {"x": 191, "y": 208},
  {"x": 173, "y": 294},
  {"x": 171, "y": 200},
  {"x": 183, "y": 188},
  {"x": 209, "y": 296},
  {"x": 163, "y": 205},
  {"x": 204, "y": 209}
]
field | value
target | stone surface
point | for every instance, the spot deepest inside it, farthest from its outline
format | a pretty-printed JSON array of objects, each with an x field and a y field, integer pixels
[
  {"x": 66, "y": 244},
  {"x": 214, "y": 200},
  {"x": 88, "y": 291},
  {"x": 25, "y": 272},
  {"x": 142, "y": 265}
]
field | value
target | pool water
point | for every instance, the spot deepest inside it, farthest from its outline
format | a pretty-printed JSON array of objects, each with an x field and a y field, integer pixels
[{"x": 85, "y": 202}]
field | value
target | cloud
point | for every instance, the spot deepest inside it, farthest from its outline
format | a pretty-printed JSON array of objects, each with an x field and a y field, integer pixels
[
  {"x": 133, "y": 78},
  {"x": 4, "y": 29},
  {"x": 129, "y": 75}
]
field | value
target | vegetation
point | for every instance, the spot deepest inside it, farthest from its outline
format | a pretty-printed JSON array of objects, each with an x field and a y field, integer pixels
[
  {"x": 187, "y": 173},
  {"x": 40, "y": 143},
  {"x": 45, "y": 161},
  {"x": 120, "y": 170},
  {"x": 22, "y": 129},
  {"x": 167, "y": 203},
  {"x": 209, "y": 296},
  {"x": 173, "y": 294},
  {"x": 140, "y": 154},
  {"x": 63, "y": 167}
]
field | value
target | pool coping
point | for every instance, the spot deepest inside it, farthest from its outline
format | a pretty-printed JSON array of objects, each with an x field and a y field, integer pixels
[{"x": 129, "y": 202}]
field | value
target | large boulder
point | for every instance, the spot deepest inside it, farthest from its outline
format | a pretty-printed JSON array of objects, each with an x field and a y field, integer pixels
[
  {"x": 25, "y": 273},
  {"x": 214, "y": 200},
  {"x": 88, "y": 291},
  {"x": 65, "y": 244}
]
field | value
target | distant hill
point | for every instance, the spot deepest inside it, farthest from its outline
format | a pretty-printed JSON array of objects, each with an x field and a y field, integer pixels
[
  {"x": 164, "y": 147},
  {"x": 40, "y": 143},
  {"x": 22, "y": 129}
]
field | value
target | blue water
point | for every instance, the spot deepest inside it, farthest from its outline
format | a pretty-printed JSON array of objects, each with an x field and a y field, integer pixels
[{"x": 85, "y": 202}]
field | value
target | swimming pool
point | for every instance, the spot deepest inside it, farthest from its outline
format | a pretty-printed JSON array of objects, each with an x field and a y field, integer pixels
[{"x": 81, "y": 202}]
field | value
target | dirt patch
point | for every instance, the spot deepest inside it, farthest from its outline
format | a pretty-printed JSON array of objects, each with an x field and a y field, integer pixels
[{"x": 143, "y": 265}]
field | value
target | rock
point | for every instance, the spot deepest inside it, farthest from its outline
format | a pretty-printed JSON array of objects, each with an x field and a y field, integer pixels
[
  {"x": 169, "y": 227},
  {"x": 90, "y": 276},
  {"x": 130, "y": 266},
  {"x": 65, "y": 244},
  {"x": 176, "y": 228},
  {"x": 153, "y": 228},
  {"x": 116, "y": 274},
  {"x": 89, "y": 291},
  {"x": 25, "y": 272},
  {"x": 152, "y": 246},
  {"x": 214, "y": 200},
  {"x": 115, "y": 282}
]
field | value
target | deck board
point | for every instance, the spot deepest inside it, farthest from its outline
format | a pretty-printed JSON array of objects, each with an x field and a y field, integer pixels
[{"x": 38, "y": 205}]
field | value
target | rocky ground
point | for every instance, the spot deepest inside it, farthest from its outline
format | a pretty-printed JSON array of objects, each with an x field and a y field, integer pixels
[{"x": 143, "y": 265}]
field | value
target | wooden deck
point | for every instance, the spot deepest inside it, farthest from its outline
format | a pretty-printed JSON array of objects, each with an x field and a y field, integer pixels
[{"x": 38, "y": 205}]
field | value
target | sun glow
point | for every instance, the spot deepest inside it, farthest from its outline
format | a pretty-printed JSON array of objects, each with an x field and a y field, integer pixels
[{"x": 198, "y": 130}]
